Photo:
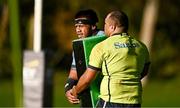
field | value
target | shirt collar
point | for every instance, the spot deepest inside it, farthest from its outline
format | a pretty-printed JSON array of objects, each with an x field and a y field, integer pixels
[{"x": 121, "y": 34}]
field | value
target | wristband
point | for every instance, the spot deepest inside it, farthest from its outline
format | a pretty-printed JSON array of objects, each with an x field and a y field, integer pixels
[{"x": 69, "y": 84}]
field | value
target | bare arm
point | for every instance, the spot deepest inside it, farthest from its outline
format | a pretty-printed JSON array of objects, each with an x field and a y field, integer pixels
[
  {"x": 71, "y": 81},
  {"x": 73, "y": 74},
  {"x": 84, "y": 81}
]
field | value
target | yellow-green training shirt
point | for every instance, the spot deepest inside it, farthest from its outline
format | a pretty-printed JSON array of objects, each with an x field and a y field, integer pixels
[{"x": 122, "y": 60}]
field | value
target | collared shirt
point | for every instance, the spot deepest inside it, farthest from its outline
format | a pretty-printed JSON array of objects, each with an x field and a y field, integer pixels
[{"x": 122, "y": 60}]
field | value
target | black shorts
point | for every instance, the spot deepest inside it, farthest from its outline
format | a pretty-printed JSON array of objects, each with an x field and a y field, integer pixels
[{"x": 102, "y": 104}]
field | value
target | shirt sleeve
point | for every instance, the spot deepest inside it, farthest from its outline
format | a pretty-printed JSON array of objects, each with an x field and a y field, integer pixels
[
  {"x": 100, "y": 33},
  {"x": 96, "y": 57},
  {"x": 145, "y": 53},
  {"x": 73, "y": 65},
  {"x": 147, "y": 60}
]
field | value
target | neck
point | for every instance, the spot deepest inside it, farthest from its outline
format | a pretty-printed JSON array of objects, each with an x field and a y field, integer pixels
[
  {"x": 94, "y": 32},
  {"x": 118, "y": 31}
]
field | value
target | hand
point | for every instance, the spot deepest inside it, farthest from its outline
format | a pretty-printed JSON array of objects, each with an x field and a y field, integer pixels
[
  {"x": 72, "y": 99},
  {"x": 74, "y": 92}
]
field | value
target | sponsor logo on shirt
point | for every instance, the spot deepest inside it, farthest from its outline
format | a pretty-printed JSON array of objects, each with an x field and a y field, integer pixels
[{"x": 118, "y": 45}]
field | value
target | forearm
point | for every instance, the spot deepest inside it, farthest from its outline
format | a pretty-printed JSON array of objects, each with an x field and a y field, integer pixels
[
  {"x": 73, "y": 74},
  {"x": 72, "y": 80},
  {"x": 69, "y": 84},
  {"x": 85, "y": 80},
  {"x": 82, "y": 84}
]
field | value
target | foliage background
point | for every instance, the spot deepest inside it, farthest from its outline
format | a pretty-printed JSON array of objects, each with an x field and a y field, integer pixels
[{"x": 58, "y": 32}]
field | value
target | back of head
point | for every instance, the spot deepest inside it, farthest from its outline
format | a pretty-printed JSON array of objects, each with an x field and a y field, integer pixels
[
  {"x": 120, "y": 19},
  {"x": 88, "y": 16}
]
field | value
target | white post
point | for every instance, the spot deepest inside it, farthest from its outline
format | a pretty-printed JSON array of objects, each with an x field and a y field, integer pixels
[
  {"x": 34, "y": 66},
  {"x": 150, "y": 16},
  {"x": 37, "y": 25}
]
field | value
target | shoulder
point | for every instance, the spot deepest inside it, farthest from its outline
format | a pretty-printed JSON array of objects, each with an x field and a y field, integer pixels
[
  {"x": 99, "y": 46},
  {"x": 144, "y": 48},
  {"x": 100, "y": 32},
  {"x": 143, "y": 45},
  {"x": 140, "y": 44}
]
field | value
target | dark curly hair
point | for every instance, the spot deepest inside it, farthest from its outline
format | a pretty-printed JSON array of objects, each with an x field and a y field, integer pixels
[{"x": 89, "y": 14}]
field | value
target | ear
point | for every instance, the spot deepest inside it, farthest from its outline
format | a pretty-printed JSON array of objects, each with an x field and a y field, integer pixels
[
  {"x": 93, "y": 27},
  {"x": 112, "y": 27}
]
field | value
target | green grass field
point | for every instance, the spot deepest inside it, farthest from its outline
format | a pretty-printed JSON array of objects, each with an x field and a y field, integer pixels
[
  {"x": 162, "y": 93},
  {"x": 6, "y": 93},
  {"x": 59, "y": 96}
]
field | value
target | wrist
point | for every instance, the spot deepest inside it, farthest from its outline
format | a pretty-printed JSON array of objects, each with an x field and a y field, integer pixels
[
  {"x": 74, "y": 91},
  {"x": 69, "y": 84}
]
